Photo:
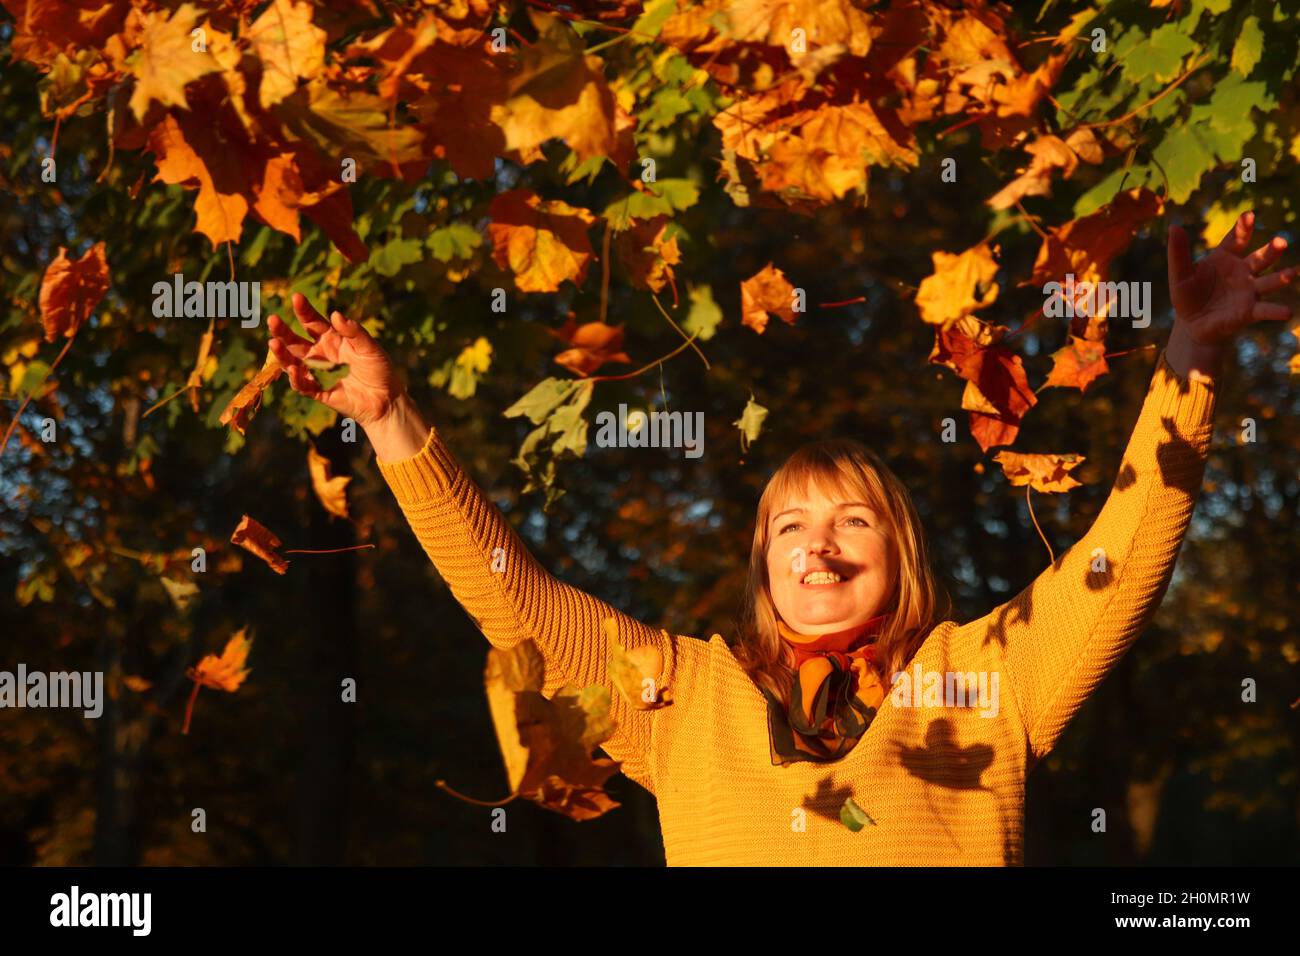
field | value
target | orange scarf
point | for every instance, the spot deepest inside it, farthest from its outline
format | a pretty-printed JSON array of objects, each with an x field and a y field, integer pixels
[{"x": 835, "y": 695}]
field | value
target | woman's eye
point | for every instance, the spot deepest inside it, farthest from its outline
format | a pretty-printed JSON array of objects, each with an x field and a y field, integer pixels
[
  {"x": 862, "y": 521},
  {"x": 788, "y": 527}
]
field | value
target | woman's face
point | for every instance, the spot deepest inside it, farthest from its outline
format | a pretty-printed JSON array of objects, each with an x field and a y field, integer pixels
[{"x": 829, "y": 562}]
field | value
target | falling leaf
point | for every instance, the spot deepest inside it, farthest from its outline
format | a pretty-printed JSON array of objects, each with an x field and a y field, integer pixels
[
  {"x": 592, "y": 345},
  {"x": 1078, "y": 364},
  {"x": 630, "y": 670},
  {"x": 241, "y": 409},
  {"x": 547, "y": 744},
  {"x": 972, "y": 349},
  {"x": 1050, "y": 155},
  {"x": 558, "y": 92},
  {"x": 330, "y": 490},
  {"x": 182, "y": 593},
  {"x": 854, "y": 817},
  {"x": 766, "y": 291},
  {"x": 166, "y": 60},
  {"x": 960, "y": 285},
  {"x": 543, "y": 242},
  {"x": 750, "y": 423},
  {"x": 188, "y": 154},
  {"x": 253, "y": 536},
  {"x": 226, "y": 672},
  {"x": 1046, "y": 473},
  {"x": 289, "y": 46},
  {"x": 195, "y": 381},
  {"x": 648, "y": 255},
  {"x": 1085, "y": 247},
  {"x": 136, "y": 684},
  {"x": 71, "y": 289}
]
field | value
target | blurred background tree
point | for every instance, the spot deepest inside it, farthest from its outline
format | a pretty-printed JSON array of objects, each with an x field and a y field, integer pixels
[{"x": 287, "y": 773}]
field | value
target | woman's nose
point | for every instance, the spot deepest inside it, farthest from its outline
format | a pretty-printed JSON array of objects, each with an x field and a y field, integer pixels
[{"x": 821, "y": 540}]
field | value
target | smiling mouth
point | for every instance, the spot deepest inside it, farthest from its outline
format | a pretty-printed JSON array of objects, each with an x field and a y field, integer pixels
[{"x": 822, "y": 578}]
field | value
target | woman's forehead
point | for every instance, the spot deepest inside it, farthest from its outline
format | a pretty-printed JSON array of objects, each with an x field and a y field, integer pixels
[{"x": 820, "y": 492}]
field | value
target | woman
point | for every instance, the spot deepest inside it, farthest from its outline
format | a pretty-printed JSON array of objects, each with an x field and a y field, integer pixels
[{"x": 763, "y": 743}]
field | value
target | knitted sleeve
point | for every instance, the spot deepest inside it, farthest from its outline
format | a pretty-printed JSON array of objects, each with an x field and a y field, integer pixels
[
  {"x": 512, "y": 598},
  {"x": 1062, "y": 634}
]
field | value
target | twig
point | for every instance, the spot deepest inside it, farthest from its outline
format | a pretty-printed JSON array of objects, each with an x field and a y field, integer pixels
[
  {"x": 23, "y": 407},
  {"x": 1196, "y": 65},
  {"x": 644, "y": 368},
  {"x": 442, "y": 785},
  {"x": 1051, "y": 558},
  {"x": 163, "y": 401},
  {"x": 356, "y": 547},
  {"x": 664, "y": 313}
]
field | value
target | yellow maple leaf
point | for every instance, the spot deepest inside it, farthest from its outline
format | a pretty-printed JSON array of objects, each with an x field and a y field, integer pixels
[
  {"x": 290, "y": 47},
  {"x": 330, "y": 489},
  {"x": 167, "y": 60},
  {"x": 954, "y": 290}
]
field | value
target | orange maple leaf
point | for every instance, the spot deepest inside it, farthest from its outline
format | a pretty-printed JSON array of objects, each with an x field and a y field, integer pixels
[
  {"x": 241, "y": 409},
  {"x": 226, "y": 672},
  {"x": 766, "y": 291},
  {"x": 592, "y": 344},
  {"x": 252, "y": 535},
  {"x": 1047, "y": 473},
  {"x": 543, "y": 242},
  {"x": 70, "y": 290},
  {"x": 1078, "y": 364},
  {"x": 648, "y": 256}
]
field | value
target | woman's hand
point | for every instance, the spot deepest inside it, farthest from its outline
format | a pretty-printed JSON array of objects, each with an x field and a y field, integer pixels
[
  {"x": 370, "y": 393},
  {"x": 1218, "y": 295}
]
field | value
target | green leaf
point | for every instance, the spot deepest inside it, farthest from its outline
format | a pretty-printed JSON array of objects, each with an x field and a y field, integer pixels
[
  {"x": 230, "y": 369},
  {"x": 661, "y": 198},
  {"x": 1159, "y": 56},
  {"x": 654, "y": 15},
  {"x": 750, "y": 423},
  {"x": 543, "y": 399},
  {"x": 1185, "y": 157},
  {"x": 456, "y": 241},
  {"x": 854, "y": 817},
  {"x": 327, "y": 373},
  {"x": 32, "y": 376},
  {"x": 1248, "y": 49},
  {"x": 390, "y": 258},
  {"x": 704, "y": 315}
]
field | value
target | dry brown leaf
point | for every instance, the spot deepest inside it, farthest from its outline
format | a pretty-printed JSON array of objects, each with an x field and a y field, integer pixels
[
  {"x": 251, "y": 535},
  {"x": 241, "y": 409}
]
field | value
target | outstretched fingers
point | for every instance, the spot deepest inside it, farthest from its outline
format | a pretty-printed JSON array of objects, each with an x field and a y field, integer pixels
[
  {"x": 311, "y": 320},
  {"x": 1270, "y": 312},
  {"x": 1263, "y": 258},
  {"x": 1237, "y": 241},
  {"x": 1267, "y": 285},
  {"x": 281, "y": 330},
  {"x": 348, "y": 328}
]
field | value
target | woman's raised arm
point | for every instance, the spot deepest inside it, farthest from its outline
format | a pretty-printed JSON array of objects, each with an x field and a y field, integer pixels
[
  {"x": 488, "y": 568},
  {"x": 1061, "y": 635}
]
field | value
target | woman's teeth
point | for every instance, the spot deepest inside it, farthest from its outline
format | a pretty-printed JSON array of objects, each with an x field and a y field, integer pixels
[{"x": 822, "y": 577}]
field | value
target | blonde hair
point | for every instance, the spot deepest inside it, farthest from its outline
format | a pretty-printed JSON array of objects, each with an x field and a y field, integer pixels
[{"x": 917, "y": 601}]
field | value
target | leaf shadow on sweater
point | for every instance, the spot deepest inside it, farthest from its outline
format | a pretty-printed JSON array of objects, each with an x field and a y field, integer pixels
[{"x": 944, "y": 762}]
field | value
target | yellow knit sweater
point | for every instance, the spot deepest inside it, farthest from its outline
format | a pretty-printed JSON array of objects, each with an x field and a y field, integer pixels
[{"x": 945, "y": 785}]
